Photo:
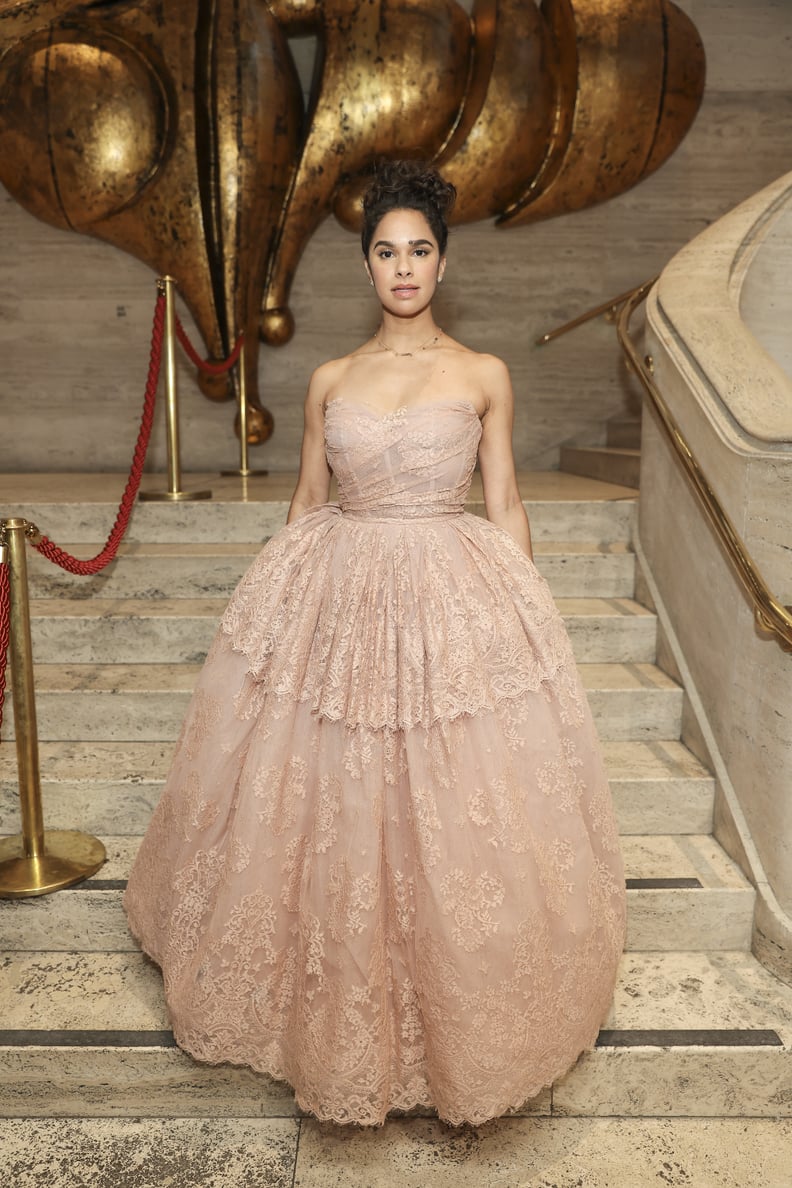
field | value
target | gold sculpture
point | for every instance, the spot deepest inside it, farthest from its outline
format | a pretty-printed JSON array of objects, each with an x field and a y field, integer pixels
[
  {"x": 170, "y": 130},
  {"x": 177, "y": 131},
  {"x": 631, "y": 77}
]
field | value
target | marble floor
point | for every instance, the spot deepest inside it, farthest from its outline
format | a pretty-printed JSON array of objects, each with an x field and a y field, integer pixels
[{"x": 408, "y": 1153}]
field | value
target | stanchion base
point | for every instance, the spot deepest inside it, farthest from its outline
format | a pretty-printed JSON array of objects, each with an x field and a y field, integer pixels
[
  {"x": 68, "y": 858},
  {"x": 242, "y": 473},
  {"x": 172, "y": 496}
]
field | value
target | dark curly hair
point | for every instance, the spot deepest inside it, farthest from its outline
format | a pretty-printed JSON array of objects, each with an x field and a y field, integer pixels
[{"x": 408, "y": 185}]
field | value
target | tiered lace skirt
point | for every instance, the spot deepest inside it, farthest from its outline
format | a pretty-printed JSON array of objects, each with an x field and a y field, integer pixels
[{"x": 385, "y": 866}]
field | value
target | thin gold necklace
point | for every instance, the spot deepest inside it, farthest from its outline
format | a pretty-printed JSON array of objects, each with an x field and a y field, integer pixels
[{"x": 409, "y": 354}]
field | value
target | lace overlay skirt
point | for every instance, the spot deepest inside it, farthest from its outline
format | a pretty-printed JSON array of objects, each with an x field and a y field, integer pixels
[{"x": 385, "y": 866}]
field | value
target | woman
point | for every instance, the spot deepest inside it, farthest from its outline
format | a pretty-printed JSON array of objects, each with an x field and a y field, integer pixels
[{"x": 385, "y": 866}]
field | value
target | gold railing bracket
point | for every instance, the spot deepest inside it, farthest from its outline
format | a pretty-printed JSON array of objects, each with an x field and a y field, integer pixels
[{"x": 36, "y": 861}]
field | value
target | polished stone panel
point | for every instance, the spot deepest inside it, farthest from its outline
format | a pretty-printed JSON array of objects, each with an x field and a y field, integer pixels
[
  {"x": 675, "y": 1082},
  {"x": 130, "y": 1082},
  {"x": 546, "y": 1153},
  {"x": 179, "y": 1153},
  {"x": 409, "y": 1152}
]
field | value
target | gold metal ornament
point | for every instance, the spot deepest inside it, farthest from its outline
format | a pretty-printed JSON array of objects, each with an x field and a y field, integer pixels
[
  {"x": 566, "y": 104},
  {"x": 378, "y": 63},
  {"x": 168, "y": 130},
  {"x": 508, "y": 112},
  {"x": 631, "y": 79},
  {"x": 176, "y": 131}
]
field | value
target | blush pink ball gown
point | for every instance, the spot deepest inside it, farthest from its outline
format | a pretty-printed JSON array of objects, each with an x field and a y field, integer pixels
[{"x": 385, "y": 866}]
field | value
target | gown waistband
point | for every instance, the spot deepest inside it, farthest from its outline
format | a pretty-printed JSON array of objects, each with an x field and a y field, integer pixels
[{"x": 402, "y": 511}]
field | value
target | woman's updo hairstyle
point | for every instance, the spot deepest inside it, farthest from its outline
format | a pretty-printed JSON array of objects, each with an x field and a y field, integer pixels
[{"x": 408, "y": 185}]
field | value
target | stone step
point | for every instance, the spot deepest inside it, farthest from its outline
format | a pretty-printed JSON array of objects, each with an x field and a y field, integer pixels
[
  {"x": 125, "y": 702},
  {"x": 683, "y": 893},
  {"x": 615, "y": 464},
  {"x": 624, "y": 431},
  {"x": 112, "y": 788},
  {"x": 178, "y": 630},
  {"x": 689, "y": 1034},
  {"x": 187, "y": 570},
  {"x": 82, "y": 507},
  {"x": 413, "y": 1152}
]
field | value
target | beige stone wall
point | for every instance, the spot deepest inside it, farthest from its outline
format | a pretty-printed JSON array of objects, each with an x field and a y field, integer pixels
[{"x": 75, "y": 313}]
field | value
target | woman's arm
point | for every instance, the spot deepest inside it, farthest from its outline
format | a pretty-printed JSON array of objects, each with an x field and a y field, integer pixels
[
  {"x": 313, "y": 481},
  {"x": 496, "y": 459}
]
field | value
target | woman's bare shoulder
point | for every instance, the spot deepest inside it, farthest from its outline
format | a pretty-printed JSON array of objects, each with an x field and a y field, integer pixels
[
  {"x": 326, "y": 378},
  {"x": 484, "y": 371},
  {"x": 481, "y": 360}
]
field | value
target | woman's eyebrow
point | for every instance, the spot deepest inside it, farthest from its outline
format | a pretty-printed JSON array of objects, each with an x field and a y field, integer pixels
[{"x": 411, "y": 242}]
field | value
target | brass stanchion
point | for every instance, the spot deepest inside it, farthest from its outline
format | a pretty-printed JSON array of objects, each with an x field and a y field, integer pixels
[
  {"x": 35, "y": 861},
  {"x": 244, "y": 470},
  {"x": 174, "y": 492}
]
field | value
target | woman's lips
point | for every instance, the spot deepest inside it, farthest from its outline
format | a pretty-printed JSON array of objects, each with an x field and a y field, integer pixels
[{"x": 405, "y": 290}]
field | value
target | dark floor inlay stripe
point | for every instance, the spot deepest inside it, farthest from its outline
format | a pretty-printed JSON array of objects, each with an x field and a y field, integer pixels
[
  {"x": 87, "y": 1039},
  {"x": 662, "y": 884},
  {"x": 722, "y": 1037},
  {"x": 655, "y": 1038},
  {"x": 99, "y": 885}
]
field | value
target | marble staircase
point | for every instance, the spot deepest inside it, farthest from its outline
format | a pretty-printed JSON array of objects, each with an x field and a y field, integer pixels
[
  {"x": 698, "y": 1027},
  {"x": 617, "y": 460}
]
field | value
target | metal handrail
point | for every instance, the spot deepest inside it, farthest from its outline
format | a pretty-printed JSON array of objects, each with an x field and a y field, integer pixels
[
  {"x": 772, "y": 619},
  {"x": 609, "y": 308}
]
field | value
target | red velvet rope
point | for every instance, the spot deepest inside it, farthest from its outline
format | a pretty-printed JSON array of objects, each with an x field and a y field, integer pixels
[
  {"x": 5, "y": 630},
  {"x": 59, "y": 556},
  {"x": 204, "y": 364}
]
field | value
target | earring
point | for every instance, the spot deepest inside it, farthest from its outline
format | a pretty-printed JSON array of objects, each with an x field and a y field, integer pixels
[{"x": 371, "y": 282}]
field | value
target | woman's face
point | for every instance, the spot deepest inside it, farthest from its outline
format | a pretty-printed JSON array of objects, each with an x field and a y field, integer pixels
[{"x": 404, "y": 262}]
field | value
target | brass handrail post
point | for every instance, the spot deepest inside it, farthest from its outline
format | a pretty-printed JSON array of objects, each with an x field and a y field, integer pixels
[
  {"x": 34, "y": 862},
  {"x": 174, "y": 493},
  {"x": 244, "y": 470}
]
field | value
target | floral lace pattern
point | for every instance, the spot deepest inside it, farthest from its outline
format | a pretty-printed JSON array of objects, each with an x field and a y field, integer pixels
[
  {"x": 442, "y": 602},
  {"x": 385, "y": 866}
]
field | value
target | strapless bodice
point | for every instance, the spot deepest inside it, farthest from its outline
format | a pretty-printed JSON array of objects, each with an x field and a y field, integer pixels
[{"x": 411, "y": 463}]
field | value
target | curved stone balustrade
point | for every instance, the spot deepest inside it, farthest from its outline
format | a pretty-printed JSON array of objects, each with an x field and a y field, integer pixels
[
  {"x": 715, "y": 329},
  {"x": 766, "y": 294}
]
